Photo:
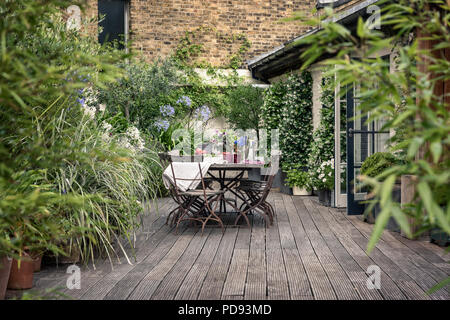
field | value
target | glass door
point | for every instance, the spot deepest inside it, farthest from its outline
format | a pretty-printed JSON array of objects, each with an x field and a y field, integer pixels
[
  {"x": 363, "y": 139},
  {"x": 340, "y": 149}
]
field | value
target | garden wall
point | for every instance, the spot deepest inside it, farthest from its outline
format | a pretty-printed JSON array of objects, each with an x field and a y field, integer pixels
[{"x": 158, "y": 25}]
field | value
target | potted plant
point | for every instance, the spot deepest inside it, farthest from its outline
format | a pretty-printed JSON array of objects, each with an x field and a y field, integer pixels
[
  {"x": 5, "y": 259},
  {"x": 5, "y": 268},
  {"x": 323, "y": 181},
  {"x": 29, "y": 223},
  {"x": 21, "y": 275},
  {"x": 437, "y": 235},
  {"x": 299, "y": 180},
  {"x": 373, "y": 166}
]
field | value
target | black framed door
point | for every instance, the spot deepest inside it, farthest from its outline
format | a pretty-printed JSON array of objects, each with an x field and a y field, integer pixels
[
  {"x": 363, "y": 139},
  {"x": 113, "y": 24}
]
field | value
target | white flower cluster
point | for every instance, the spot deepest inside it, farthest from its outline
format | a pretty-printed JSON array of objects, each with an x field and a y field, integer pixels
[
  {"x": 106, "y": 136},
  {"x": 89, "y": 102},
  {"x": 325, "y": 170},
  {"x": 133, "y": 140},
  {"x": 89, "y": 111}
]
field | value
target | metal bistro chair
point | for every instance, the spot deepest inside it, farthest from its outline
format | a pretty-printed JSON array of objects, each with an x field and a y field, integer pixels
[
  {"x": 255, "y": 195},
  {"x": 166, "y": 160},
  {"x": 194, "y": 205}
]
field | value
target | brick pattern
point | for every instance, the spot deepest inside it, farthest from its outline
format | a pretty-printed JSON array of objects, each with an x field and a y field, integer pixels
[{"x": 158, "y": 25}]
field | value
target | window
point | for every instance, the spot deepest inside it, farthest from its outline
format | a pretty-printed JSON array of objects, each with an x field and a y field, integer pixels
[
  {"x": 115, "y": 21},
  {"x": 330, "y": 3}
]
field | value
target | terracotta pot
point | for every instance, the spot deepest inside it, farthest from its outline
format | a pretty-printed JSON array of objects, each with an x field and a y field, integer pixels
[
  {"x": 5, "y": 268},
  {"x": 37, "y": 261},
  {"x": 21, "y": 278}
]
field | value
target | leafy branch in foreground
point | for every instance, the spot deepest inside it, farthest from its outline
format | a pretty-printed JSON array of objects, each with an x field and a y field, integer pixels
[{"x": 407, "y": 99}]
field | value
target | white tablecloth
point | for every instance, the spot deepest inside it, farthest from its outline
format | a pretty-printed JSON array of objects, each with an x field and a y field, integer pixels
[{"x": 187, "y": 170}]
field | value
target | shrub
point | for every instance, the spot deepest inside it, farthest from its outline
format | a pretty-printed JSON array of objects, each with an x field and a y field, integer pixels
[
  {"x": 322, "y": 177},
  {"x": 377, "y": 163},
  {"x": 116, "y": 175},
  {"x": 245, "y": 102},
  {"x": 298, "y": 177},
  {"x": 322, "y": 146},
  {"x": 139, "y": 95},
  {"x": 63, "y": 176}
]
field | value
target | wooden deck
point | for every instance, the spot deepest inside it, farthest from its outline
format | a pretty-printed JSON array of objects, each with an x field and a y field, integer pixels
[{"x": 311, "y": 252}]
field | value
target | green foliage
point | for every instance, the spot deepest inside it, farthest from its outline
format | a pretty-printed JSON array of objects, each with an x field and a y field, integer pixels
[
  {"x": 190, "y": 48},
  {"x": 298, "y": 177},
  {"x": 296, "y": 119},
  {"x": 377, "y": 163},
  {"x": 322, "y": 176},
  {"x": 288, "y": 107},
  {"x": 139, "y": 95},
  {"x": 273, "y": 103},
  {"x": 63, "y": 176},
  {"x": 322, "y": 146},
  {"x": 114, "y": 178},
  {"x": 405, "y": 100},
  {"x": 245, "y": 104}
]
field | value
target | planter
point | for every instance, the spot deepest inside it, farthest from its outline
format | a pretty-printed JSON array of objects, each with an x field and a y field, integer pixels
[
  {"x": 283, "y": 187},
  {"x": 5, "y": 269},
  {"x": 37, "y": 262},
  {"x": 376, "y": 210},
  {"x": 21, "y": 278},
  {"x": 300, "y": 192},
  {"x": 439, "y": 237},
  {"x": 73, "y": 255},
  {"x": 325, "y": 197}
]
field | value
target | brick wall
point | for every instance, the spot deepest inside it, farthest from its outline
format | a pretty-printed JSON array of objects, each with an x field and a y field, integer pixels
[{"x": 158, "y": 25}]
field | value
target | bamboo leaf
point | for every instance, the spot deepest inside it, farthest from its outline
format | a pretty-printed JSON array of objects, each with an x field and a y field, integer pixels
[
  {"x": 426, "y": 196},
  {"x": 378, "y": 229},
  {"x": 436, "y": 150},
  {"x": 439, "y": 286},
  {"x": 386, "y": 189},
  {"x": 402, "y": 220}
]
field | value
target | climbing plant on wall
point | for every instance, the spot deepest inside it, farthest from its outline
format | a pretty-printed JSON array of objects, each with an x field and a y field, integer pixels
[
  {"x": 322, "y": 147},
  {"x": 273, "y": 103},
  {"x": 288, "y": 107},
  {"x": 296, "y": 120},
  {"x": 191, "y": 47}
]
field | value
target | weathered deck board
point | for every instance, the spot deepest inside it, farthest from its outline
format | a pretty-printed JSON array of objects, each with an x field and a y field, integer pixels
[
  {"x": 342, "y": 246},
  {"x": 311, "y": 252},
  {"x": 171, "y": 282},
  {"x": 387, "y": 266},
  {"x": 191, "y": 286},
  {"x": 405, "y": 261},
  {"x": 234, "y": 285},
  {"x": 217, "y": 274},
  {"x": 321, "y": 285},
  {"x": 255, "y": 286}
]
